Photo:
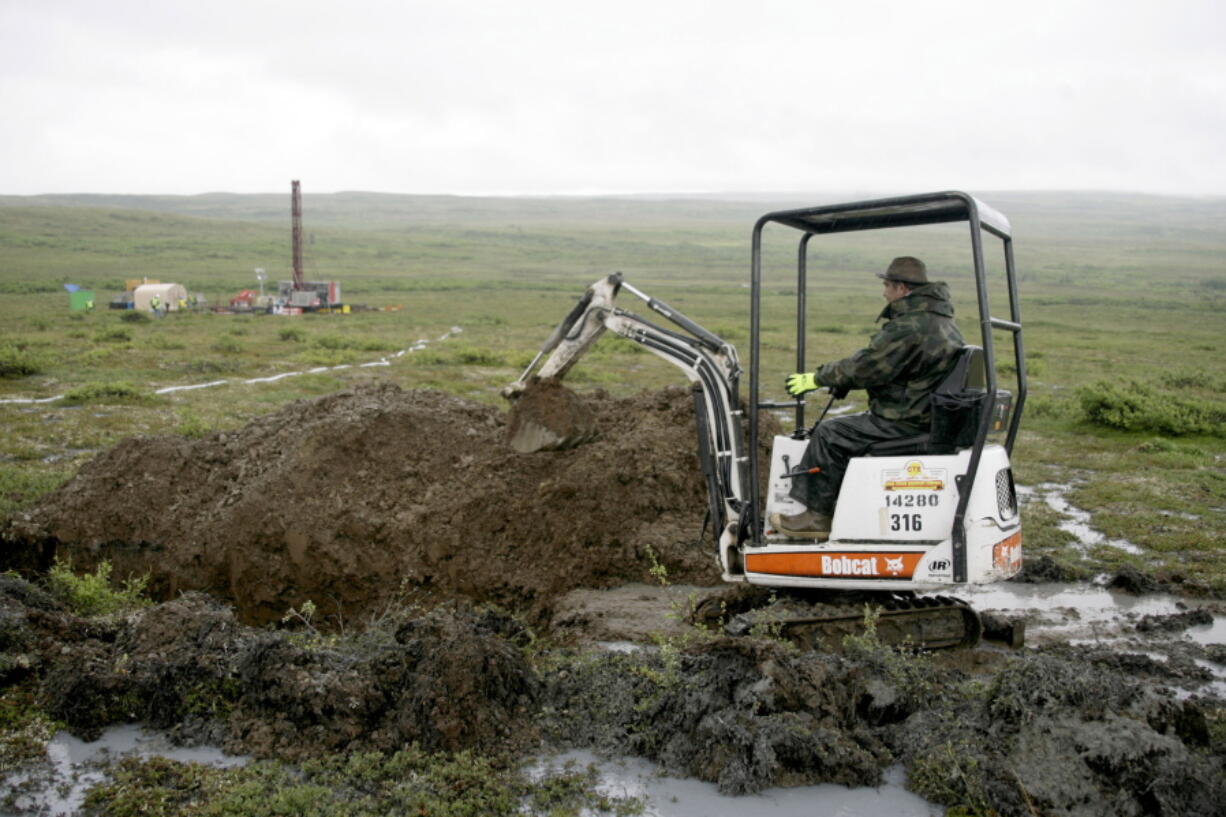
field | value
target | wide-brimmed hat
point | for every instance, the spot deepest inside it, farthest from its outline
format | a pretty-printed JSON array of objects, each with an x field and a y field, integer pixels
[{"x": 907, "y": 270}]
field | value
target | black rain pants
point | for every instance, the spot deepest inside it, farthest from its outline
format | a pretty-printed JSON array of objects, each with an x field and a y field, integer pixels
[{"x": 834, "y": 443}]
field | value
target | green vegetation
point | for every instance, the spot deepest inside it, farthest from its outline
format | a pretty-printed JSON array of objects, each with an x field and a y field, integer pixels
[
  {"x": 21, "y": 484},
  {"x": 93, "y": 594},
  {"x": 24, "y": 728},
  {"x": 104, "y": 393},
  {"x": 1132, "y": 406},
  {"x": 952, "y": 776},
  {"x": 407, "y": 782},
  {"x": 17, "y": 360},
  {"x": 1123, "y": 303}
]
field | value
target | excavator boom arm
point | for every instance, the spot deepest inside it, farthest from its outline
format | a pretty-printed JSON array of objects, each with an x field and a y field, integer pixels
[{"x": 709, "y": 363}]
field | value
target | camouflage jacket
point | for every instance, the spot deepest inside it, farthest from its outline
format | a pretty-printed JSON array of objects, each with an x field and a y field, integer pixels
[{"x": 906, "y": 359}]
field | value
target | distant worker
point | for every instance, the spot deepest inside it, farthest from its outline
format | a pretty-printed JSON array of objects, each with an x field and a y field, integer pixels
[
  {"x": 182, "y": 304},
  {"x": 155, "y": 304},
  {"x": 902, "y": 365}
]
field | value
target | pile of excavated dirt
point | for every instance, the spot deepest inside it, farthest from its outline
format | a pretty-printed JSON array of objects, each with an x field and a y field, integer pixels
[{"x": 349, "y": 499}]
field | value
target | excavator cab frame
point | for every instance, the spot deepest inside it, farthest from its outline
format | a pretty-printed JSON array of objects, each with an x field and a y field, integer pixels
[{"x": 905, "y": 211}]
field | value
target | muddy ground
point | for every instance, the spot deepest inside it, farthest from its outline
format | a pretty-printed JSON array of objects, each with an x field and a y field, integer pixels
[
  {"x": 343, "y": 499},
  {"x": 405, "y": 512}
]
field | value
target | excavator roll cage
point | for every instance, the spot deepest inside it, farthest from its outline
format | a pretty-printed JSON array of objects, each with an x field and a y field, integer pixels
[
  {"x": 712, "y": 365},
  {"x": 905, "y": 211}
]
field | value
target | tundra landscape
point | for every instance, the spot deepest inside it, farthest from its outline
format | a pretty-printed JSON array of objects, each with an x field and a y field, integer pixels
[{"x": 303, "y": 538}]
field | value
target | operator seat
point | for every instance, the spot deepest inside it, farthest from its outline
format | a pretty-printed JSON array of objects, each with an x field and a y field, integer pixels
[{"x": 957, "y": 407}]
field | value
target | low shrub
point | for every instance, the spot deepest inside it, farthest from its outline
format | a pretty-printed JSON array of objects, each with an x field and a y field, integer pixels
[
  {"x": 332, "y": 342},
  {"x": 1044, "y": 405},
  {"x": 166, "y": 344},
  {"x": 92, "y": 594},
  {"x": 191, "y": 425},
  {"x": 18, "y": 361},
  {"x": 118, "y": 392},
  {"x": 135, "y": 316},
  {"x": 114, "y": 335},
  {"x": 210, "y": 366},
  {"x": 292, "y": 334},
  {"x": 1193, "y": 380},
  {"x": 339, "y": 342},
  {"x": 476, "y": 356},
  {"x": 326, "y": 357},
  {"x": 227, "y": 345},
  {"x": 1173, "y": 455},
  {"x": 409, "y": 781},
  {"x": 1133, "y": 406},
  {"x": 433, "y": 357}
]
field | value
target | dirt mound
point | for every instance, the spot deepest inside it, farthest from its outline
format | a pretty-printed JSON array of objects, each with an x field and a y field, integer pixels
[{"x": 342, "y": 499}]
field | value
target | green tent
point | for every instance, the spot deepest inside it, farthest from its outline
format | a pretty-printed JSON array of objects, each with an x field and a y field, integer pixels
[{"x": 81, "y": 299}]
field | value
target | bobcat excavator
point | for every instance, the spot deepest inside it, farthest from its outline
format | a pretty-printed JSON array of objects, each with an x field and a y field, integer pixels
[{"x": 914, "y": 517}]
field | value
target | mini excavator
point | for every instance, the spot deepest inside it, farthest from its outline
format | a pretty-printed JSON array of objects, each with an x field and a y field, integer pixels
[{"x": 915, "y": 517}]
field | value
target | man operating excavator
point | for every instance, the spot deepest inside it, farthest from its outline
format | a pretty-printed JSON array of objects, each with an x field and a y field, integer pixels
[{"x": 900, "y": 368}]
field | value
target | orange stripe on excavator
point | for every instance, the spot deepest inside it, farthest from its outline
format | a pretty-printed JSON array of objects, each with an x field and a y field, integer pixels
[
  {"x": 842, "y": 565},
  {"x": 1007, "y": 553}
]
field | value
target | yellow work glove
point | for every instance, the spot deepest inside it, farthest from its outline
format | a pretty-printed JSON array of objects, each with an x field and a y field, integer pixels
[{"x": 801, "y": 382}]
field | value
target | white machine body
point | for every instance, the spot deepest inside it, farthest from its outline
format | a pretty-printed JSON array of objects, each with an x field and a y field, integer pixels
[{"x": 892, "y": 525}]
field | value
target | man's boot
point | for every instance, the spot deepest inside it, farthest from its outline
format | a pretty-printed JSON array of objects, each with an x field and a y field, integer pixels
[{"x": 804, "y": 525}]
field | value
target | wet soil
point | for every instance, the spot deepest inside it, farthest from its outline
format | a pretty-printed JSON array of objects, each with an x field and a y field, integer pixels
[
  {"x": 343, "y": 499},
  {"x": 407, "y": 514},
  {"x": 547, "y": 416}
]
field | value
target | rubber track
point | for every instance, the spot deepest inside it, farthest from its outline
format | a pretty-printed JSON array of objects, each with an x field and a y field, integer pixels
[{"x": 925, "y": 622}]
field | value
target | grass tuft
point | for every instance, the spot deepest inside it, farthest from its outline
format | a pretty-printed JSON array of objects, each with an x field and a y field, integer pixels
[{"x": 93, "y": 594}]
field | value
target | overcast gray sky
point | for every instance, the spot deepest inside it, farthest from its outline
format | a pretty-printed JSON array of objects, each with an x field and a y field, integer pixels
[{"x": 621, "y": 96}]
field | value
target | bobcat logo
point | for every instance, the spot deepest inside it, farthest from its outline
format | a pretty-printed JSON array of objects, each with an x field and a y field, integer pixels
[{"x": 893, "y": 565}]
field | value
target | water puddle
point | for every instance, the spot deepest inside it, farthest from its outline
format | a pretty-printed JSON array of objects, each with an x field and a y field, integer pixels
[
  {"x": 675, "y": 797},
  {"x": 1072, "y": 611},
  {"x": 1089, "y": 615},
  {"x": 58, "y": 788},
  {"x": 1077, "y": 521},
  {"x": 619, "y": 646}
]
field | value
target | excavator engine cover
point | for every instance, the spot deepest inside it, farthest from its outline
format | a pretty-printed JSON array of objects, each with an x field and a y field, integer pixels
[{"x": 547, "y": 416}]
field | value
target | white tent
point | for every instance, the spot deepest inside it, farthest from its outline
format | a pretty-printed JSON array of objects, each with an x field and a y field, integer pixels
[{"x": 168, "y": 296}]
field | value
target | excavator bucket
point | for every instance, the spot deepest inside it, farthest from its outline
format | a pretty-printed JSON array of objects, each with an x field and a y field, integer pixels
[{"x": 547, "y": 416}]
